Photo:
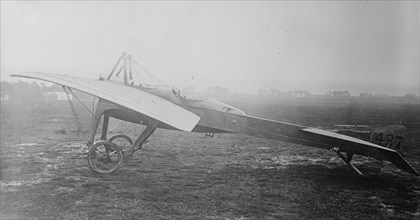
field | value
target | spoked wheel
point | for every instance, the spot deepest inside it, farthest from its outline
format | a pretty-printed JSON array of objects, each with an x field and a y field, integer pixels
[
  {"x": 122, "y": 141},
  {"x": 104, "y": 157}
]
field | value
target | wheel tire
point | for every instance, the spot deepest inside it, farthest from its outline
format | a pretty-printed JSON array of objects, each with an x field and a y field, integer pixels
[
  {"x": 121, "y": 141},
  {"x": 104, "y": 157}
]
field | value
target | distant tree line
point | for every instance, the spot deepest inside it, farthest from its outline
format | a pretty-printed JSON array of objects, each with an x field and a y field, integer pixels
[
  {"x": 299, "y": 95},
  {"x": 33, "y": 91},
  {"x": 26, "y": 91}
]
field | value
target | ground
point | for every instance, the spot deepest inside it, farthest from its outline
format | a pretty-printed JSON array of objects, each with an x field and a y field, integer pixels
[{"x": 181, "y": 175}]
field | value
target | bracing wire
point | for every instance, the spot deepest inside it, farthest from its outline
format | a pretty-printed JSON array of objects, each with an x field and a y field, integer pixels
[
  {"x": 73, "y": 109},
  {"x": 109, "y": 130},
  {"x": 145, "y": 70},
  {"x": 79, "y": 124},
  {"x": 81, "y": 101},
  {"x": 93, "y": 110}
]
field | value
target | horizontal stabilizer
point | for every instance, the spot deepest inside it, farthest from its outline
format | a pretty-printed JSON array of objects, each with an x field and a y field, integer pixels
[
  {"x": 399, "y": 161},
  {"x": 354, "y": 145}
]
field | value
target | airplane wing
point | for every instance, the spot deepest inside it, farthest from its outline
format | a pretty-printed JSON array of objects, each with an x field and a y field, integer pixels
[
  {"x": 357, "y": 146},
  {"x": 126, "y": 96}
]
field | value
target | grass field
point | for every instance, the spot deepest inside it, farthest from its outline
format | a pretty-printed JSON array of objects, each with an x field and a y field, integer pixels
[{"x": 180, "y": 175}]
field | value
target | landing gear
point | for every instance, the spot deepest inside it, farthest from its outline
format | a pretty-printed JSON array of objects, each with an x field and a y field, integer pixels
[
  {"x": 123, "y": 141},
  {"x": 104, "y": 157},
  {"x": 347, "y": 159}
]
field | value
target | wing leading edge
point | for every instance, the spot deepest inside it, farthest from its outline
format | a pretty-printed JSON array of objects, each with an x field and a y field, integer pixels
[
  {"x": 126, "y": 96},
  {"x": 354, "y": 145}
]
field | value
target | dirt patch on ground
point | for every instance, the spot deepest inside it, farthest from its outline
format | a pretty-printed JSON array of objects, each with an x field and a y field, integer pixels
[{"x": 180, "y": 175}]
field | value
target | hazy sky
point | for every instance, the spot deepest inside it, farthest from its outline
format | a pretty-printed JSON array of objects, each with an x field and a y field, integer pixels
[{"x": 369, "y": 46}]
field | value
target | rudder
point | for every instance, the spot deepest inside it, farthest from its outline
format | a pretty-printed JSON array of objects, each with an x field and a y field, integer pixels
[{"x": 390, "y": 136}]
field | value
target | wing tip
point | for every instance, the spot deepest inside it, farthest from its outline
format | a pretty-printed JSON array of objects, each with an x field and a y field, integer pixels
[{"x": 191, "y": 124}]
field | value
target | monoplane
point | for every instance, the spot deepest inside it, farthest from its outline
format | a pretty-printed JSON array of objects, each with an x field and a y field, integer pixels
[{"x": 164, "y": 107}]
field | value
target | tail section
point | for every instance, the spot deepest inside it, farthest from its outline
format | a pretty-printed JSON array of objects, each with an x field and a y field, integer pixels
[{"x": 390, "y": 136}]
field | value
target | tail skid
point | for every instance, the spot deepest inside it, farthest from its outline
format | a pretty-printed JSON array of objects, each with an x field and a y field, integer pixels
[{"x": 347, "y": 160}]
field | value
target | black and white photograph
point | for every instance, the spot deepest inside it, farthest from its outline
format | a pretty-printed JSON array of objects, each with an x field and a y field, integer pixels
[{"x": 210, "y": 110}]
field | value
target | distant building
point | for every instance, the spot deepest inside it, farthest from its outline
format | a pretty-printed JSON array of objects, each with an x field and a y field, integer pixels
[
  {"x": 5, "y": 98},
  {"x": 56, "y": 96}
]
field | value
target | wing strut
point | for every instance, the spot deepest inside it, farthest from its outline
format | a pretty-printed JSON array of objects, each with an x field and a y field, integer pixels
[
  {"x": 115, "y": 67},
  {"x": 347, "y": 159}
]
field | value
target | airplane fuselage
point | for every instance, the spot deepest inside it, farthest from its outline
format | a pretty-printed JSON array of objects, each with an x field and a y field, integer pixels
[{"x": 219, "y": 117}]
